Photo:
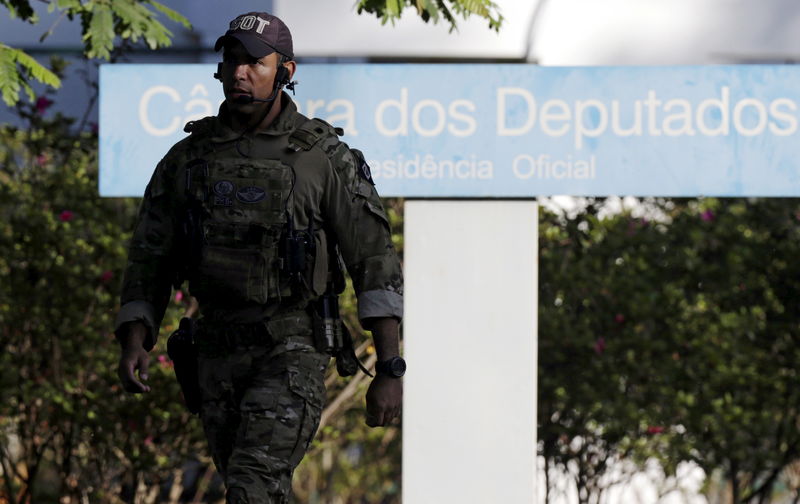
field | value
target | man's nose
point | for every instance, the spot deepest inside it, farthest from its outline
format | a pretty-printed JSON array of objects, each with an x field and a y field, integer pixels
[{"x": 240, "y": 71}]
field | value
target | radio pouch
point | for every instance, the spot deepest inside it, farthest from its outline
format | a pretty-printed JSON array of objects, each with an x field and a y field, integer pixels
[{"x": 182, "y": 350}]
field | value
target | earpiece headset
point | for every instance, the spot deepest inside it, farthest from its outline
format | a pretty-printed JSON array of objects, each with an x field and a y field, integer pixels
[{"x": 282, "y": 78}]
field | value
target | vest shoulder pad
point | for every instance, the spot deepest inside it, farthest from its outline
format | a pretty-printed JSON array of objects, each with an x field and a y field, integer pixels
[
  {"x": 199, "y": 126},
  {"x": 310, "y": 133}
]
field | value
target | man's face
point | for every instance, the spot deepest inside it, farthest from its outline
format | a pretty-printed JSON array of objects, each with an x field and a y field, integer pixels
[{"x": 246, "y": 76}]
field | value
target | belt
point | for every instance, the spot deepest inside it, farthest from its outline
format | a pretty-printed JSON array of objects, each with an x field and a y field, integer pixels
[{"x": 217, "y": 338}]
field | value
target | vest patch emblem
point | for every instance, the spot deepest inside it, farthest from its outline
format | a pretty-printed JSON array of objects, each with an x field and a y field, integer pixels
[
  {"x": 223, "y": 188},
  {"x": 366, "y": 173},
  {"x": 361, "y": 165},
  {"x": 222, "y": 200},
  {"x": 250, "y": 194}
]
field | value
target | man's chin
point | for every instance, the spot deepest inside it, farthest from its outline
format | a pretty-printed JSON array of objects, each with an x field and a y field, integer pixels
[{"x": 239, "y": 106}]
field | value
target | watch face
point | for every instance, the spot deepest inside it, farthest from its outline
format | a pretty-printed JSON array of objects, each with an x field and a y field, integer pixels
[
  {"x": 397, "y": 367},
  {"x": 394, "y": 367}
]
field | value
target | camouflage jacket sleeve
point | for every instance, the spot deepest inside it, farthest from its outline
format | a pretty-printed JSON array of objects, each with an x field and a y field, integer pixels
[
  {"x": 354, "y": 210},
  {"x": 150, "y": 270}
]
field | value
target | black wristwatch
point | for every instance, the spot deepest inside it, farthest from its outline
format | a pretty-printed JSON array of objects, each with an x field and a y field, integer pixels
[{"x": 393, "y": 368}]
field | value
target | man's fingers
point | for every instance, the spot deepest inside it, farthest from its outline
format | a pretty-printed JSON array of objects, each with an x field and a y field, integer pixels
[
  {"x": 375, "y": 420},
  {"x": 127, "y": 376},
  {"x": 130, "y": 383},
  {"x": 384, "y": 401},
  {"x": 383, "y": 416},
  {"x": 380, "y": 416},
  {"x": 375, "y": 416},
  {"x": 372, "y": 418},
  {"x": 144, "y": 365}
]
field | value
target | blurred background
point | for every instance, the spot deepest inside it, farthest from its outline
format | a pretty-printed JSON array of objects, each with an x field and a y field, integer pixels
[
  {"x": 668, "y": 329},
  {"x": 545, "y": 32}
]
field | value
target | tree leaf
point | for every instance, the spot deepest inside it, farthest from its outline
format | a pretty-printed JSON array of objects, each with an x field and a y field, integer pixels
[
  {"x": 21, "y": 9},
  {"x": 12, "y": 81},
  {"x": 139, "y": 22},
  {"x": 391, "y": 10},
  {"x": 132, "y": 14},
  {"x": 171, "y": 14},
  {"x": 36, "y": 69},
  {"x": 100, "y": 35},
  {"x": 68, "y": 4}
]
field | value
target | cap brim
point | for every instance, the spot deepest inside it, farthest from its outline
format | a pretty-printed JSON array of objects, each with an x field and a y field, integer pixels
[{"x": 254, "y": 46}]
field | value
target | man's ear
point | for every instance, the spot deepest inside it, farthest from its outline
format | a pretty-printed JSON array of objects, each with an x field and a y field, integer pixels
[{"x": 290, "y": 65}]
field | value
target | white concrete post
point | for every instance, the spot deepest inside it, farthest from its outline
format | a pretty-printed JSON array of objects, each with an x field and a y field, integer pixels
[{"x": 469, "y": 414}]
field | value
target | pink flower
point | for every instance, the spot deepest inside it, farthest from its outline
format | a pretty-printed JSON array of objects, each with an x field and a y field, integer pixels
[
  {"x": 179, "y": 296},
  {"x": 42, "y": 104},
  {"x": 707, "y": 216},
  {"x": 165, "y": 362},
  {"x": 619, "y": 318},
  {"x": 600, "y": 345},
  {"x": 148, "y": 441},
  {"x": 66, "y": 216},
  {"x": 41, "y": 159},
  {"x": 655, "y": 429},
  {"x": 106, "y": 276}
]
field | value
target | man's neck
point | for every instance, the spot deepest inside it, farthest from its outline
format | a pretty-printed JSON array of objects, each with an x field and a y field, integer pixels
[{"x": 259, "y": 120}]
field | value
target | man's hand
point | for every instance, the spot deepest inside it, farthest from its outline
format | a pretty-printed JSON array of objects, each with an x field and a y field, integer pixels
[
  {"x": 134, "y": 357},
  {"x": 384, "y": 400},
  {"x": 385, "y": 394}
]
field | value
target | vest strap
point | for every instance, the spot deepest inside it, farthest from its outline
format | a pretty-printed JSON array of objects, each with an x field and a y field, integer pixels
[{"x": 308, "y": 134}]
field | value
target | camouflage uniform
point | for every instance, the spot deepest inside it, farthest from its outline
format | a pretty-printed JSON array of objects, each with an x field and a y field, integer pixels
[{"x": 260, "y": 374}]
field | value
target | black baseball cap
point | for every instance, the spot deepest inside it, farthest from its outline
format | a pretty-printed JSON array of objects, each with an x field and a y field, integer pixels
[{"x": 260, "y": 34}]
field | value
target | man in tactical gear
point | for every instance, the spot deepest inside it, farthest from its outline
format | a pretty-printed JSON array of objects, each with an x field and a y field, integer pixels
[{"x": 256, "y": 209}]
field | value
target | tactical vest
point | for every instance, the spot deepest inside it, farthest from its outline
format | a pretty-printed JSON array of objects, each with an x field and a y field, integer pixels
[{"x": 248, "y": 250}]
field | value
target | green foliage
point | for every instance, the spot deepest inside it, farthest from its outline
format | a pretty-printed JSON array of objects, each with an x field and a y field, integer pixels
[
  {"x": 171, "y": 14},
  {"x": 14, "y": 78},
  {"x": 105, "y": 24},
  {"x": 435, "y": 10},
  {"x": 672, "y": 339},
  {"x": 20, "y": 9},
  {"x": 99, "y": 37},
  {"x": 67, "y": 431}
]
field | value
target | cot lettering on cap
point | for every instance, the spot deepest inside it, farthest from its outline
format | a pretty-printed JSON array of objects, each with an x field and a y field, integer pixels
[
  {"x": 261, "y": 24},
  {"x": 247, "y": 23}
]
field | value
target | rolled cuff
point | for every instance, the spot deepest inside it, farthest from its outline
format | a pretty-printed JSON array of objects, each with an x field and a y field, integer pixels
[
  {"x": 380, "y": 303},
  {"x": 143, "y": 312}
]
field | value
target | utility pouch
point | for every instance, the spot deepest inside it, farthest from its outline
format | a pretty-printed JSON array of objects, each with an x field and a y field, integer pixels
[
  {"x": 182, "y": 350},
  {"x": 327, "y": 325},
  {"x": 228, "y": 275},
  {"x": 332, "y": 337},
  {"x": 347, "y": 363}
]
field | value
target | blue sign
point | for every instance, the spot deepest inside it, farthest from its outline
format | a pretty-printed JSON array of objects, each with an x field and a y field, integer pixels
[{"x": 500, "y": 130}]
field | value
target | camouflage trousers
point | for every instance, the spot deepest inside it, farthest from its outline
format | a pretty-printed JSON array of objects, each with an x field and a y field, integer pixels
[{"x": 261, "y": 406}]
